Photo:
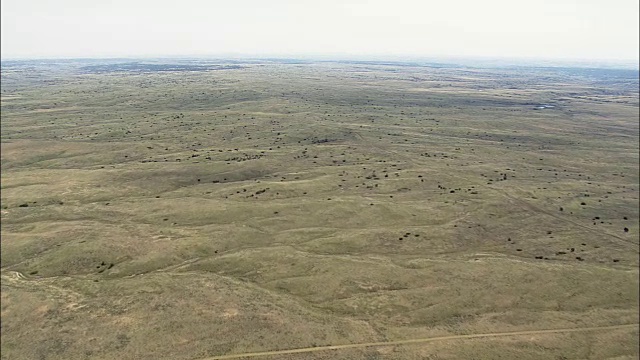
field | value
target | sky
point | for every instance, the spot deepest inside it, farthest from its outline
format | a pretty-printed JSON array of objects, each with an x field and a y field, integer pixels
[{"x": 542, "y": 29}]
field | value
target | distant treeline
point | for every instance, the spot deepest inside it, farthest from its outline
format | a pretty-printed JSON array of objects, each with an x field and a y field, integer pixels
[{"x": 145, "y": 67}]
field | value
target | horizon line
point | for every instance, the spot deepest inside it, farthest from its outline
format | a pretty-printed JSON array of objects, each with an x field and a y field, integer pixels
[{"x": 334, "y": 57}]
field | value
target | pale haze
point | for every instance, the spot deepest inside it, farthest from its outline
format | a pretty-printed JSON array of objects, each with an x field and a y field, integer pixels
[{"x": 558, "y": 29}]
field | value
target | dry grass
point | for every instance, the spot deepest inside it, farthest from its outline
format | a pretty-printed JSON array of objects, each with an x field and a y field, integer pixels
[{"x": 183, "y": 215}]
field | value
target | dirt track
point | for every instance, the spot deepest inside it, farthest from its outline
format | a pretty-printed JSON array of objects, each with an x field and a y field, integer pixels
[{"x": 414, "y": 341}]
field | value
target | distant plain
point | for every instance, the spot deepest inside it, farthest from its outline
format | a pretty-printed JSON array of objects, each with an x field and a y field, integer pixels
[{"x": 193, "y": 209}]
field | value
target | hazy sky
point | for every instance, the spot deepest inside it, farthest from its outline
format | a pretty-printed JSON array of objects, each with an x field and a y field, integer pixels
[{"x": 575, "y": 29}]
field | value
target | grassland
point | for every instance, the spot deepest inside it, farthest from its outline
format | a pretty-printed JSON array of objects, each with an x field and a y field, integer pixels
[{"x": 153, "y": 212}]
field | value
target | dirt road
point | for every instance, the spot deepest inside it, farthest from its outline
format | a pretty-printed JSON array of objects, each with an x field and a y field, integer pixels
[{"x": 414, "y": 341}]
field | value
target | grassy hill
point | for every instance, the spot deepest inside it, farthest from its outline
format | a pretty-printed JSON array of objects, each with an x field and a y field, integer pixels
[{"x": 193, "y": 210}]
